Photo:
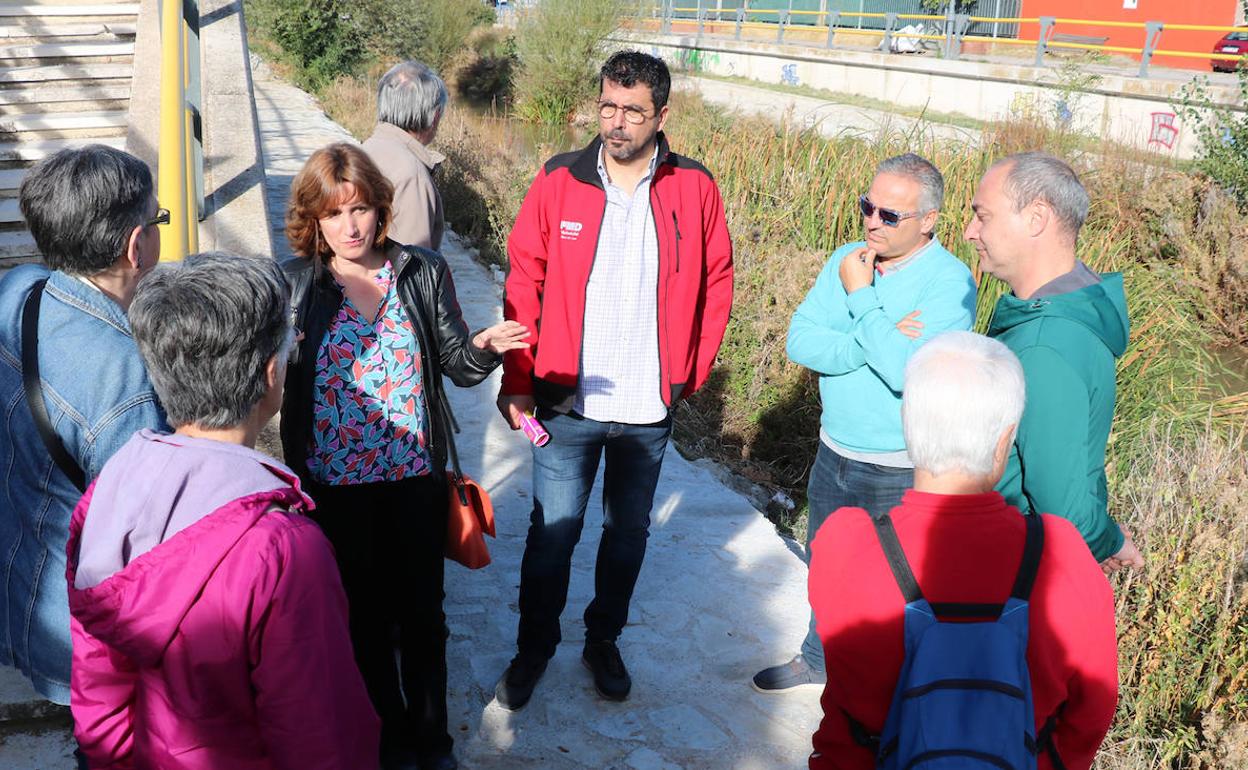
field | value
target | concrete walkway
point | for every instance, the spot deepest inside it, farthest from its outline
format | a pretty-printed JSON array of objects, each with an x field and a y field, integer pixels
[
  {"x": 829, "y": 118},
  {"x": 720, "y": 594}
]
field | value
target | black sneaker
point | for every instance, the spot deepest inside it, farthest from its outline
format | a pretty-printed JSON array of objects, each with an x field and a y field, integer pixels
[
  {"x": 610, "y": 676},
  {"x": 516, "y": 685},
  {"x": 788, "y": 676}
]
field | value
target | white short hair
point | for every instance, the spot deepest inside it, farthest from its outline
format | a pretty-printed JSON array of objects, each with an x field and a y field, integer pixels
[
  {"x": 962, "y": 391},
  {"x": 410, "y": 96}
]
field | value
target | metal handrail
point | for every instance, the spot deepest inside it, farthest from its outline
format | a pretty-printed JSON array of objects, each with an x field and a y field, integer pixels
[
  {"x": 180, "y": 171},
  {"x": 955, "y": 26}
]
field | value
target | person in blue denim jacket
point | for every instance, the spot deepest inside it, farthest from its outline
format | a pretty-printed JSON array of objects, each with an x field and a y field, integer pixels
[{"x": 93, "y": 215}]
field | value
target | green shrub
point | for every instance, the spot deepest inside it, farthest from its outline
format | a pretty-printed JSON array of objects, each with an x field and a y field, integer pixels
[
  {"x": 1222, "y": 134},
  {"x": 323, "y": 38},
  {"x": 559, "y": 43},
  {"x": 327, "y": 39}
]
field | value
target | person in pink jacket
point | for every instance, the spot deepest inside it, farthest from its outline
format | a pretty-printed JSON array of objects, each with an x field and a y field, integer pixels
[{"x": 209, "y": 622}]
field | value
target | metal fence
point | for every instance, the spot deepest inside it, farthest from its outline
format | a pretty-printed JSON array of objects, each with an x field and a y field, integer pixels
[
  {"x": 892, "y": 24},
  {"x": 817, "y": 12}
]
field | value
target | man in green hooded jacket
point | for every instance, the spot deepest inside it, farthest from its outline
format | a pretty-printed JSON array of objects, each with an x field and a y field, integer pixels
[{"x": 1067, "y": 325}]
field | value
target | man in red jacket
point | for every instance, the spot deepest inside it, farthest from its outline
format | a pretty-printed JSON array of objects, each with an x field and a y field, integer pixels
[
  {"x": 622, "y": 267},
  {"x": 961, "y": 404}
]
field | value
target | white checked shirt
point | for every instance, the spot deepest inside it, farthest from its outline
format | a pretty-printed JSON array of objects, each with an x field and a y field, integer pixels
[{"x": 619, "y": 379}]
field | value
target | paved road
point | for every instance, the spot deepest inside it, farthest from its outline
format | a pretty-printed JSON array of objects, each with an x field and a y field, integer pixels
[{"x": 830, "y": 118}]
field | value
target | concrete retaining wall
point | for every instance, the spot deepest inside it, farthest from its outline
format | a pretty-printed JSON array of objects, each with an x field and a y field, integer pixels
[{"x": 1129, "y": 110}]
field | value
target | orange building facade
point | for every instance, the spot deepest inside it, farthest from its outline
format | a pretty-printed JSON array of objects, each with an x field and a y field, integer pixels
[{"x": 1203, "y": 12}]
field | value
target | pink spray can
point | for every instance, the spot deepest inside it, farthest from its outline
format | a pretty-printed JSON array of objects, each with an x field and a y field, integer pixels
[{"x": 534, "y": 430}]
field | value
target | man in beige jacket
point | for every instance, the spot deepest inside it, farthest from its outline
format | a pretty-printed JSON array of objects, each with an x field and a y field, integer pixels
[{"x": 410, "y": 101}]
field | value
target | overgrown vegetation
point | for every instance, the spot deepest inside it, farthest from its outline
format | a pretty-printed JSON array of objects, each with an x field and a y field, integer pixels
[
  {"x": 559, "y": 46},
  {"x": 327, "y": 39},
  {"x": 1222, "y": 134}
]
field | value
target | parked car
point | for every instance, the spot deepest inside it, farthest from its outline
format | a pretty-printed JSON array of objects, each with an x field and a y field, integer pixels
[{"x": 1234, "y": 42}]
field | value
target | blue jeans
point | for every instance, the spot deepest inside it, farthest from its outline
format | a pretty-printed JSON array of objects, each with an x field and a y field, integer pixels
[
  {"x": 837, "y": 482},
  {"x": 563, "y": 473}
]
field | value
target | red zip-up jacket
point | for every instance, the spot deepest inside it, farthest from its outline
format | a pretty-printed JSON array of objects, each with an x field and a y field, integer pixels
[{"x": 552, "y": 248}]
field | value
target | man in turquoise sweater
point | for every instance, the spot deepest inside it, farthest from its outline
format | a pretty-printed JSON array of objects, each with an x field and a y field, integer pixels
[
  {"x": 1066, "y": 324},
  {"x": 872, "y": 306}
]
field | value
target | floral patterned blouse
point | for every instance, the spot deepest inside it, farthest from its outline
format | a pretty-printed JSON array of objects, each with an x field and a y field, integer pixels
[{"x": 369, "y": 418}]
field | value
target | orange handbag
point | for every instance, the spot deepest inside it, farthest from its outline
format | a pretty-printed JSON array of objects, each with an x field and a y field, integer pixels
[{"x": 470, "y": 518}]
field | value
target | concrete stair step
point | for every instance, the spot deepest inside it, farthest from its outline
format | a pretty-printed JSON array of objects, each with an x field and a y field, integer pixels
[
  {"x": 63, "y": 121},
  {"x": 63, "y": 10},
  {"x": 65, "y": 50},
  {"x": 64, "y": 97},
  {"x": 10, "y": 180},
  {"x": 17, "y": 245},
  {"x": 43, "y": 30},
  {"x": 10, "y": 212},
  {"x": 77, "y": 72},
  {"x": 42, "y": 148}
]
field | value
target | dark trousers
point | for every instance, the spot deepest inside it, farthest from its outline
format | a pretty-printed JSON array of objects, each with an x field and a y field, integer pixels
[
  {"x": 563, "y": 474},
  {"x": 389, "y": 538}
]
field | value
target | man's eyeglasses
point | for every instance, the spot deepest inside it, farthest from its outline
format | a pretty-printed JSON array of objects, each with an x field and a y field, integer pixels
[
  {"x": 634, "y": 115},
  {"x": 161, "y": 218},
  {"x": 887, "y": 216}
]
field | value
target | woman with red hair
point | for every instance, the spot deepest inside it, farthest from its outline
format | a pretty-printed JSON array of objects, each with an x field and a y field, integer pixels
[{"x": 366, "y": 425}]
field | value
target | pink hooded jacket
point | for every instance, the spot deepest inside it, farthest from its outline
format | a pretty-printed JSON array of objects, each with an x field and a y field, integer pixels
[{"x": 225, "y": 643}]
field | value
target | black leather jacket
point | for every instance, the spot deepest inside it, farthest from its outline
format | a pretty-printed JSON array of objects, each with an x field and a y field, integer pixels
[{"x": 427, "y": 292}]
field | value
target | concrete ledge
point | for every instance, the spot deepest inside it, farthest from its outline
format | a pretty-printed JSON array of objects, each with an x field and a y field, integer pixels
[
  {"x": 1119, "y": 107},
  {"x": 235, "y": 216}
]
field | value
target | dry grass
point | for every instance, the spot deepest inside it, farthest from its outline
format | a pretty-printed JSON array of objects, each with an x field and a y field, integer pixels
[{"x": 1183, "y": 621}]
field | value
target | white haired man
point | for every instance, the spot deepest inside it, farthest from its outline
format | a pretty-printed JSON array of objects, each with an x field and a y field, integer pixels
[
  {"x": 874, "y": 303},
  {"x": 1067, "y": 325},
  {"x": 963, "y": 399},
  {"x": 411, "y": 99}
]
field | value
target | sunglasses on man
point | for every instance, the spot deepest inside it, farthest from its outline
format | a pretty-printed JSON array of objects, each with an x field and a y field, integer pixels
[{"x": 887, "y": 216}]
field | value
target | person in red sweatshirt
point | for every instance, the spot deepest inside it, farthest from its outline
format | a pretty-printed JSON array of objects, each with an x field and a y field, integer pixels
[
  {"x": 621, "y": 268},
  {"x": 962, "y": 402}
]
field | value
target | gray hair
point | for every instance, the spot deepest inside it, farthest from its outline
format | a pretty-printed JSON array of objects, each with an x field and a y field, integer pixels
[
  {"x": 962, "y": 391},
  {"x": 921, "y": 170},
  {"x": 1034, "y": 176},
  {"x": 410, "y": 96},
  {"x": 206, "y": 328},
  {"x": 82, "y": 204}
]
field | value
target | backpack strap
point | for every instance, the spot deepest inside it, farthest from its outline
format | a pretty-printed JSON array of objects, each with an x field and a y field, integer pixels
[
  {"x": 34, "y": 390},
  {"x": 897, "y": 561},
  {"x": 1030, "y": 565}
]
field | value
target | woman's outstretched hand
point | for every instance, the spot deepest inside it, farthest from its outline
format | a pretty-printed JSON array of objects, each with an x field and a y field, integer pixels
[{"x": 509, "y": 335}]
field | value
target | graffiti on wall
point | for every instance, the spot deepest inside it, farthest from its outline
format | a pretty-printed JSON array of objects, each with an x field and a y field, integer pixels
[
  {"x": 788, "y": 74},
  {"x": 1164, "y": 132},
  {"x": 695, "y": 59}
]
